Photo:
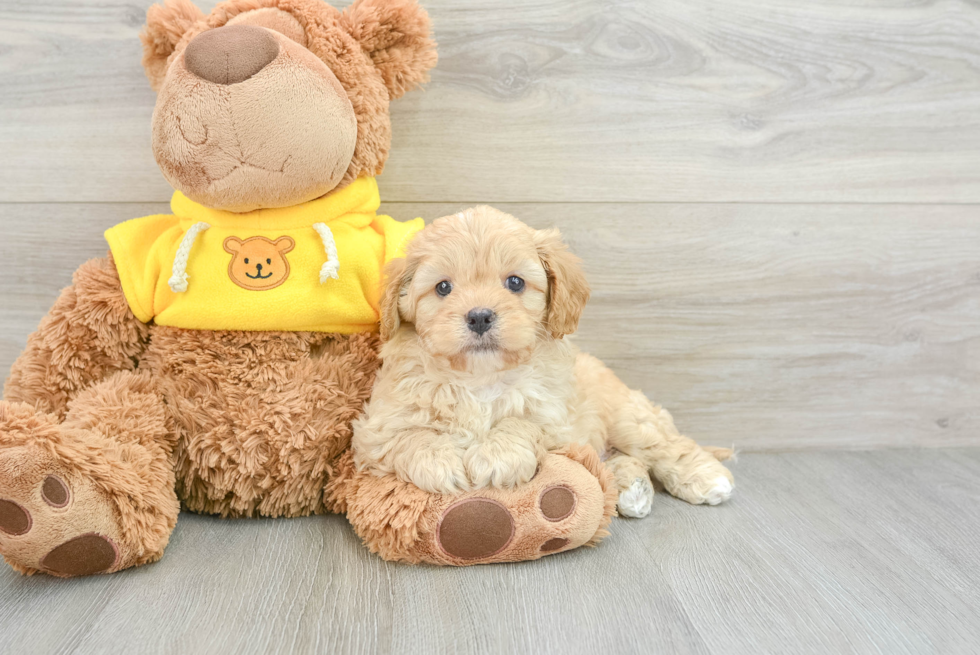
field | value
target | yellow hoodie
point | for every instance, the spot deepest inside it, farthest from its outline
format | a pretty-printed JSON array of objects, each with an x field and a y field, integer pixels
[{"x": 312, "y": 267}]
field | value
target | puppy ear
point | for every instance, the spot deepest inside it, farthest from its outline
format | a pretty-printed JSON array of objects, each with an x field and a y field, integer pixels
[
  {"x": 397, "y": 277},
  {"x": 166, "y": 24},
  {"x": 396, "y": 35},
  {"x": 568, "y": 290}
]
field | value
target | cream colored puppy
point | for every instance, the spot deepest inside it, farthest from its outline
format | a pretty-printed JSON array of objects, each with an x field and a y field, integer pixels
[{"x": 478, "y": 382}]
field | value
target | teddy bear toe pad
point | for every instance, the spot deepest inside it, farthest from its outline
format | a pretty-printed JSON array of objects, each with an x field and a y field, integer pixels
[
  {"x": 55, "y": 492},
  {"x": 14, "y": 519}
]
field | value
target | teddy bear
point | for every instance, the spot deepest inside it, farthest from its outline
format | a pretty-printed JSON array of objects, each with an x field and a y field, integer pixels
[{"x": 215, "y": 358}]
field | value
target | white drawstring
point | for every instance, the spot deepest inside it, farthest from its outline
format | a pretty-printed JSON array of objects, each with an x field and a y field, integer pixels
[
  {"x": 178, "y": 279},
  {"x": 331, "y": 267}
]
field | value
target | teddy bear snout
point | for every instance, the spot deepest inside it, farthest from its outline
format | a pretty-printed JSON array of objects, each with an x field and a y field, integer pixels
[{"x": 230, "y": 54}]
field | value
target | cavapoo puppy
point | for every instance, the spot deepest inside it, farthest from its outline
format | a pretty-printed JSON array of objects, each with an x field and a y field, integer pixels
[{"x": 477, "y": 381}]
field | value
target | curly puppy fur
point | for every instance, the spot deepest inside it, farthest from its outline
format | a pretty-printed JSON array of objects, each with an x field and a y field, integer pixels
[{"x": 455, "y": 408}]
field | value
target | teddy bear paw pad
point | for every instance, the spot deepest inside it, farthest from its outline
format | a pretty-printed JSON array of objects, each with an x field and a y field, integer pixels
[
  {"x": 559, "y": 509},
  {"x": 481, "y": 528},
  {"x": 86, "y": 554},
  {"x": 475, "y": 528}
]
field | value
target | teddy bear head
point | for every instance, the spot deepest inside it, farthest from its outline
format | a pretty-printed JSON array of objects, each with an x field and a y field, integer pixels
[{"x": 271, "y": 103}]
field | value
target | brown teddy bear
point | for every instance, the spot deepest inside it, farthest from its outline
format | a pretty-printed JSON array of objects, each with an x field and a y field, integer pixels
[{"x": 216, "y": 358}]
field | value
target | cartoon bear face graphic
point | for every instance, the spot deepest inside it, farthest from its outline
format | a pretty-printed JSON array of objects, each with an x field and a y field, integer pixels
[{"x": 258, "y": 263}]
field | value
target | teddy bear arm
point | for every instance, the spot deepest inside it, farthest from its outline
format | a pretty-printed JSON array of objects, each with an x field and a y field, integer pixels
[{"x": 89, "y": 334}]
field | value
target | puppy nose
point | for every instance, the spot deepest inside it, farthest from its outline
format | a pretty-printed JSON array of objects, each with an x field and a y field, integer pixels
[
  {"x": 480, "y": 320},
  {"x": 230, "y": 54}
]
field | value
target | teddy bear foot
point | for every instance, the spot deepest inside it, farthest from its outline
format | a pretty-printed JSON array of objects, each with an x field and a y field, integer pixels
[
  {"x": 53, "y": 520},
  {"x": 58, "y": 514},
  {"x": 567, "y": 504}
]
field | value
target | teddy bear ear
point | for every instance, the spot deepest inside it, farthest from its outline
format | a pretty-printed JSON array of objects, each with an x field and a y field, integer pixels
[
  {"x": 166, "y": 24},
  {"x": 397, "y": 36}
]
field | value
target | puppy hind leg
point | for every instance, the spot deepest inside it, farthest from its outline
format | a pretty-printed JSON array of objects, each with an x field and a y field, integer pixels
[
  {"x": 687, "y": 471},
  {"x": 634, "y": 485}
]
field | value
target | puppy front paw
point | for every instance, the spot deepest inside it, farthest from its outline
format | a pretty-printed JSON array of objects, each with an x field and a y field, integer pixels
[
  {"x": 438, "y": 471},
  {"x": 498, "y": 464}
]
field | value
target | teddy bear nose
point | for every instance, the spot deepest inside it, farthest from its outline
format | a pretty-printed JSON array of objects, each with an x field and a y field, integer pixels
[{"x": 230, "y": 54}]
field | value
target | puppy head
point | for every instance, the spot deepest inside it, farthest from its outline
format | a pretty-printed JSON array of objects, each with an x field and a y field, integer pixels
[{"x": 482, "y": 288}]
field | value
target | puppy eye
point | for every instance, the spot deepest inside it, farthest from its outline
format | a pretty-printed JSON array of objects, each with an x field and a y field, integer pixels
[
  {"x": 515, "y": 284},
  {"x": 444, "y": 288},
  {"x": 246, "y": 260}
]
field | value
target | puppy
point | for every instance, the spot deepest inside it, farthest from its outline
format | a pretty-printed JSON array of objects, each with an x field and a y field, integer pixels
[{"x": 477, "y": 381}]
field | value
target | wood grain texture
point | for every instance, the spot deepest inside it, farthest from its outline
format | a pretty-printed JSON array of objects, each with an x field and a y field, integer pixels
[
  {"x": 565, "y": 100},
  {"x": 816, "y": 553},
  {"x": 662, "y": 138},
  {"x": 766, "y": 326}
]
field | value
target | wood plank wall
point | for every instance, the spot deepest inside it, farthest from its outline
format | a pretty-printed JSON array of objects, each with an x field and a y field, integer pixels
[{"x": 778, "y": 202}]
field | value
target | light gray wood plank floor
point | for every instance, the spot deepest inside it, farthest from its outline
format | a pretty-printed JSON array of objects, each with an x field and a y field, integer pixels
[
  {"x": 777, "y": 206},
  {"x": 831, "y": 552}
]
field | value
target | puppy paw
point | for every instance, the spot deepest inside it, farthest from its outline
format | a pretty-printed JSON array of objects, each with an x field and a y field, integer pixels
[
  {"x": 720, "y": 492},
  {"x": 636, "y": 501},
  {"x": 438, "y": 471},
  {"x": 708, "y": 484},
  {"x": 501, "y": 465}
]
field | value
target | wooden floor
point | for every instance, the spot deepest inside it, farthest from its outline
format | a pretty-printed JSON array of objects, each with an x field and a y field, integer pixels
[
  {"x": 778, "y": 205},
  {"x": 828, "y": 552}
]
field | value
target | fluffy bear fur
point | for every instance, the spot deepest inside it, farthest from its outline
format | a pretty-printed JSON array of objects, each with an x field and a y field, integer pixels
[{"x": 376, "y": 49}]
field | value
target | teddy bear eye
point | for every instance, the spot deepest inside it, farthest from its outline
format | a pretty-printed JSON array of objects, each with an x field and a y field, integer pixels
[
  {"x": 444, "y": 288},
  {"x": 246, "y": 260},
  {"x": 268, "y": 261},
  {"x": 515, "y": 284}
]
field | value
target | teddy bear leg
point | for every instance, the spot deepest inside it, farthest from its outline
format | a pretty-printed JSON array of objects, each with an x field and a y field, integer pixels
[
  {"x": 567, "y": 504},
  {"x": 92, "y": 494}
]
